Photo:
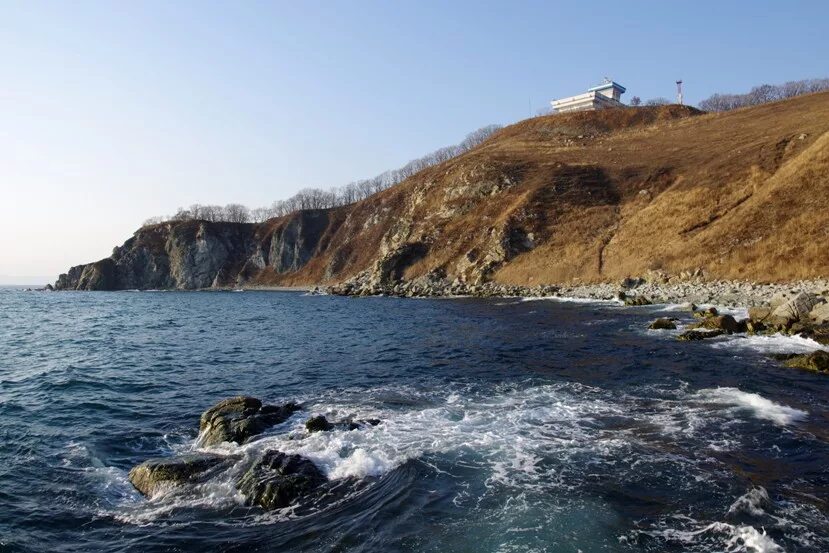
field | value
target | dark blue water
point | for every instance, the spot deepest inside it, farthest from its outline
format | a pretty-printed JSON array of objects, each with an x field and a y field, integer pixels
[{"x": 507, "y": 426}]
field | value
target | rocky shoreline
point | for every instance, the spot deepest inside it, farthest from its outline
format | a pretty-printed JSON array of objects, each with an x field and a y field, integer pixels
[{"x": 657, "y": 288}]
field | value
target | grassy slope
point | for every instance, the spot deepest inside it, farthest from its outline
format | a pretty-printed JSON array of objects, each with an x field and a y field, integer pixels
[{"x": 601, "y": 195}]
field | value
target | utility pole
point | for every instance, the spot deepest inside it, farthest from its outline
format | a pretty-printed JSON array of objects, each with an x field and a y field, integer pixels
[{"x": 679, "y": 92}]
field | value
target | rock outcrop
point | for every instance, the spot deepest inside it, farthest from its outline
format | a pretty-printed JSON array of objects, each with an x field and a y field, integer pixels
[
  {"x": 279, "y": 479},
  {"x": 817, "y": 361},
  {"x": 164, "y": 472},
  {"x": 239, "y": 418}
]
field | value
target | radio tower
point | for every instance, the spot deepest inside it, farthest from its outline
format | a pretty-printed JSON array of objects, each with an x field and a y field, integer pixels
[{"x": 679, "y": 92}]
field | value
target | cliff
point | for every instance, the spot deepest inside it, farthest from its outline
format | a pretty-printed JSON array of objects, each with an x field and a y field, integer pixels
[{"x": 591, "y": 196}]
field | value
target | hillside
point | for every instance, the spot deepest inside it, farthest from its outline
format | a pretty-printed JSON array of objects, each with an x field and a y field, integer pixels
[{"x": 591, "y": 196}]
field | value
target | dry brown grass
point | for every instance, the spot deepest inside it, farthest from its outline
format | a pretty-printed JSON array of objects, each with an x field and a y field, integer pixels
[{"x": 607, "y": 194}]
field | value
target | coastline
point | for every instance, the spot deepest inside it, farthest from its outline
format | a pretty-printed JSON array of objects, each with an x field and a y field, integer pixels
[{"x": 734, "y": 294}]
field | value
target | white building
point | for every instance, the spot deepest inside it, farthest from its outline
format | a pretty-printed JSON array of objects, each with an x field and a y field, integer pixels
[{"x": 606, "y": 95}]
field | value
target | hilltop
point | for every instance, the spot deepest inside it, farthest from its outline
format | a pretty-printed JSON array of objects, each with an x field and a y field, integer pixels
[{"x": 587, "y": 197}]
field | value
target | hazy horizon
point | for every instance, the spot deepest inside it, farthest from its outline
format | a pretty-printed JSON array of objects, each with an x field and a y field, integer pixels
[{"x": 115, "y": 113}]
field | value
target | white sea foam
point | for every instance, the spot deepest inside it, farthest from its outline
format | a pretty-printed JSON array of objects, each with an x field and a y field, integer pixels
[
  {"x": 503, "y": 432},
  {"x": 756, "y": 404},
  {"x": 715, "y": 536},
  {"x": 531, "y": 446},
  {"x": 775, "y": 343},
  {"x": 568, "y": 299}
]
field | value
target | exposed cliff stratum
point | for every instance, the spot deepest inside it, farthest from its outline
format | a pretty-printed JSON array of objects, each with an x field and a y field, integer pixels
[{"x": 591, "y": 196}]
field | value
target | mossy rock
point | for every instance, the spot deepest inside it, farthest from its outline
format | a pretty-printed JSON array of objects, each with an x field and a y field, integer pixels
[
  {"x": 239, "y": 418},
  {"x": 694, "y": 335},
  {"x": 706, "y": 313},
  {"x": 153, "y": 474},
  {"x": 817, "y": 361},
  {"x": 279, "y": 479},
  {"x": 663, "y": 324}
]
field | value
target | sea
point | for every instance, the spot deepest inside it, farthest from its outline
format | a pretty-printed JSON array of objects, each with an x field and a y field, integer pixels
[{"x": 507, "y": 425}]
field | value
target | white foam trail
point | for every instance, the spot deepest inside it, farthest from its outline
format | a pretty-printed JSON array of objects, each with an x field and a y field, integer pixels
[
  {"x": 759, "y": 406},
  {"x": 776, "y": 343},
  {"x": 568, "y": 299},
  {"x": 502, "y": 432},
  {"x": 736, "y": 312},
  {"x": 738, "y": 539}
]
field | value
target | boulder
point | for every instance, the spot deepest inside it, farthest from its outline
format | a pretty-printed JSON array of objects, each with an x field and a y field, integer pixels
[
  {"x": 279, "y": 479},
  {"x": 238, "y": 418},
  {"x": 759, "y": 314},
  {"x": 817, "y": 361},
  {"x": 318, "y": 424},
  {"x": 819, "y": 334},
  {"x": 795, "y": 309},
  {"x": 725, "y": 323},
  {"x": 663, "y": 324},
  {"x": 628, "y": 283},
  {"x": 705, "y": 313},
  {"x": 637, "y": 300},
  {"x": 152, "y": 474},
  {"x": 321, "y": 424},
  {"x": 693, "y": 335},
  {"x": 753, "y": 327},
  {"x": 820, "y": 313}
]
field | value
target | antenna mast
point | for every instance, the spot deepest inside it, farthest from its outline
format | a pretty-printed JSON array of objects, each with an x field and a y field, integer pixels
[{"x": 679, "y": 92}]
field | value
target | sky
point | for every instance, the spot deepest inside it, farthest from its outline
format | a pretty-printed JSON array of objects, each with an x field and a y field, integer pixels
[{"x": 113, "y": 112}]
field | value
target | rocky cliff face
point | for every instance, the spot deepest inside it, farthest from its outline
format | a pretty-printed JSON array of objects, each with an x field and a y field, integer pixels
[
  {"x": 591, "y": 196},
  {"x": 192, "y": 255}
]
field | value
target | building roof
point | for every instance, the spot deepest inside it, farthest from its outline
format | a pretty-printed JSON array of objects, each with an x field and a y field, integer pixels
[{"x": 611, "y": 84}]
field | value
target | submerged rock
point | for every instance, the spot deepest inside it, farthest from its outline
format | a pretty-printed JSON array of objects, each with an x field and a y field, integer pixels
[
  {"x": 170, "y": 471},
  {"x": 663, "y": 324},
  {"x": 322, "y": 424},
  {"x": 693, "y": 335},
  {"x": 238, "y": 418},
  {"x": 817, "y": 361},
  {"x": 279, "y": 479}
]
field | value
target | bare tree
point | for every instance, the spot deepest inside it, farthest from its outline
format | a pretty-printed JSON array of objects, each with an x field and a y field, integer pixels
[
  {"x": 636, "y": 101},
  {"x": 763, "y": 94},
  {"x": 236, "y": 213},
  {"x": 316, "y": 198},
  {"x": 660, "y": 101}
]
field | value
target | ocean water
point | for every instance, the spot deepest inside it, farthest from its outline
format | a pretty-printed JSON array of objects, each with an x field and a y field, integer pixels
[{"x": 507, "y": 426}]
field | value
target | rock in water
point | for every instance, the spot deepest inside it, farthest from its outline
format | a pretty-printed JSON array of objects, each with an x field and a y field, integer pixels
[
  {"x": 318, "y": 424},
  {"x": 723, "y": 322},
  {"x": 636, "y": 300},
  {"x": 238, "y": 418},
  {"x": 662, "y": 324},
  {"x": 322, "y": 424},
  {"x": 692, "y": 335},
  {"x": 191, "y": 467},
  {"x": 278, "y": 479},
  {"x": 817, "y": 361}
]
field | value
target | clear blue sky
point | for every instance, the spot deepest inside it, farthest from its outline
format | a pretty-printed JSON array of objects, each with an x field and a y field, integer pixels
[{"x": 111, "y": 112}]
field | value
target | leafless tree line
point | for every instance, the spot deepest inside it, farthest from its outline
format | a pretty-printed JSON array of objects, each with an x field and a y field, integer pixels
[
  {"x": 316, "y": 198},
  {"x": 763, "y": 94}
]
